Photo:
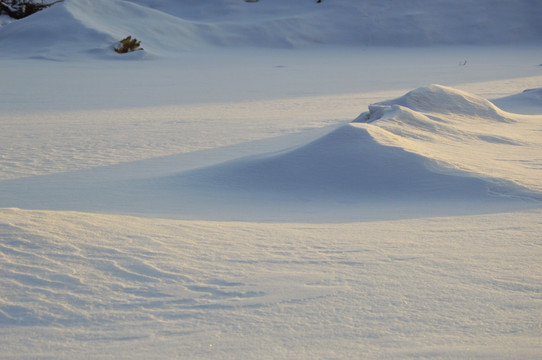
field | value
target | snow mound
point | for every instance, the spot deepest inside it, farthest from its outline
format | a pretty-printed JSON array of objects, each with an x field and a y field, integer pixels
[
  {"x": 460, "y": 131},
  {"x": 167, "y": 27},
  {"x": 347, "y": 162},
  {"x": 433, "y": 144},
  {"x": 93, "y": 28},
  {"x": 438, "y": 99}
]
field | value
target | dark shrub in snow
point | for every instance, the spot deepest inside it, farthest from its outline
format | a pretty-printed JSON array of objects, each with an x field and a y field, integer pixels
[
  {"x": 128, "y": 45},
  {"x": 19, "y": 9}
]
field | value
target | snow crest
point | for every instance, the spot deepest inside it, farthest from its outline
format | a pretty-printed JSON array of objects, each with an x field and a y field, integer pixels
[{"x": 440, "y": 99}]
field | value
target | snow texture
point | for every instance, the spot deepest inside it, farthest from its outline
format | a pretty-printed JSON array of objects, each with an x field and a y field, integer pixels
[{"x": 272, "y": 180}]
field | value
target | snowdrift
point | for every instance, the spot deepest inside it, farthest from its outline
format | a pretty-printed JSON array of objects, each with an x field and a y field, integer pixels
[
  {"x": 460, "y": 131},
  {"x": 349, "y": 162},
  {"x": 434, "y": 150},
  {"x": 92, "y": 27},
  {"x": 420, "y": 145},
  {"x": 438, "y": 99}
]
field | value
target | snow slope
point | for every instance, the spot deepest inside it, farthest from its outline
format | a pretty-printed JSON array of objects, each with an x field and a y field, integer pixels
[
  {"x": 528, "y": 102},
  {"x": 92, "y": 27}
]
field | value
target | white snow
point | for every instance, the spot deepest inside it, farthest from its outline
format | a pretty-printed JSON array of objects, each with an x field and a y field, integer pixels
[
  {"x": 272, "y": 180},
  {"x": 91, "y": 27},
  {"x": 79, "y": 285}
]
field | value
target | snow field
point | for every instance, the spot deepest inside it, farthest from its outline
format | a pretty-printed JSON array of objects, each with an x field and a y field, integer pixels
[
  {"x": 397, "y": 289},
  {"x": 210, "y": 197}
]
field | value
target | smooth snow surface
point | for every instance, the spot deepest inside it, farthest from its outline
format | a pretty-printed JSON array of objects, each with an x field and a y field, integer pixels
[
  {"x": 272, "y": 180},
  {"x": 92, "y": 27},
  {"x": 528, "y": 102}
]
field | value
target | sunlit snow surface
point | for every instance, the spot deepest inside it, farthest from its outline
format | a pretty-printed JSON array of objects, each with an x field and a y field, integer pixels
[
  {"x": 246, "y": 188},
  {"x": 85, "y": 285},
  {"x": 434, "y": 151}
]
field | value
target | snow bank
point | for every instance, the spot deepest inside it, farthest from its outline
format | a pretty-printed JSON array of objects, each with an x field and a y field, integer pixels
[
  {"x": 433, "y": 143},
  {"x": 84, "y": 27}
]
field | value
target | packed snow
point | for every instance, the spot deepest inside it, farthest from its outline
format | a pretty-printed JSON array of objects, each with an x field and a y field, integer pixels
[{"x": 272, "y": 180}]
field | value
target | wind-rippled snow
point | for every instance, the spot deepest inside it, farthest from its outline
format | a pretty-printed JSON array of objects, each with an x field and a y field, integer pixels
[{"x": 254, "y": 196}]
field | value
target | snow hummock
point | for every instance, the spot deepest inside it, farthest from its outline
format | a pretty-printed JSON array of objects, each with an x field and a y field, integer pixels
[
  {"x": 460, "y": 131},
  {"x": 440, "y": 99}
]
